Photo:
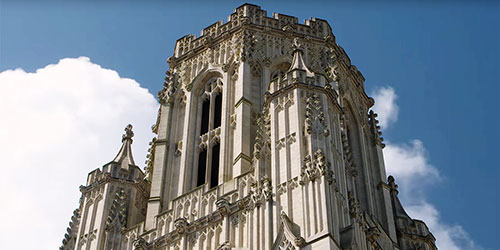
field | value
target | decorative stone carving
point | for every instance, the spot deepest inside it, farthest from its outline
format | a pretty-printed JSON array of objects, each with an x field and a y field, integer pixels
[
  {"x": 148, "y": 169},
  {"x": 316, "y": 166},
  {"x": 117, "y": 218},
  {"x": 180, "y": 226},
  {"x": 289, "y": 232},
  {"x": 140, "y": 244},
  {"x": 169, "y": 87},
  {"x": 232, "y": 122},
  {"x": 288, "y": 185},
  {"x": 225, "y": 246},
  {"x": 315, "y": 118},
  {"x": 287, "y": 140},
  {"x": 222, "y": 205},
  {"x": 262, "y": 146},
  {"x": 375, "y": 129},
  {"x": 354, "y": 207},
  {"x": 284, "y": 100},
  {"x": 178, "y": 148},
  {"x": 210, "y": 138},
  {"x": 261, "y": 191}
]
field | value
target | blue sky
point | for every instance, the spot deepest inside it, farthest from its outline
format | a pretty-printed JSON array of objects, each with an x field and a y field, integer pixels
[{"x": 441, "y": 59}]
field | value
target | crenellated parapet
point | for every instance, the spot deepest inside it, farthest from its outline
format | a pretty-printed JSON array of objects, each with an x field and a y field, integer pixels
[{"x": 247, "y": 15}]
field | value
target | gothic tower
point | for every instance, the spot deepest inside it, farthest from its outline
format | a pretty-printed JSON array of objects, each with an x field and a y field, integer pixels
[{"x": 265, "y": 140}]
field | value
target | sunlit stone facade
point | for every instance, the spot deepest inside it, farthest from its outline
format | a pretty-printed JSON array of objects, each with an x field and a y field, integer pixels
[{"x": 265, "y": 140}]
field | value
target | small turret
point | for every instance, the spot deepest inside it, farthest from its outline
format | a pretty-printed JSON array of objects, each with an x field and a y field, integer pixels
[
  {"x": 113, "y": 199},
  {"x": 124, "y": 156},
  {"x": 412, "y": 233},
  {"x": 298, "y": 62}
]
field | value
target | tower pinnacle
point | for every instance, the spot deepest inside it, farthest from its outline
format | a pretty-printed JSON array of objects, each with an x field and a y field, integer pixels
[
  {"x": 124, "y": 156},
  {"x": 298, "y": 61}
]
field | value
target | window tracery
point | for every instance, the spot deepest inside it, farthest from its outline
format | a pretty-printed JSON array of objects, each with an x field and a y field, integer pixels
[{"x": 209, "y": 135}]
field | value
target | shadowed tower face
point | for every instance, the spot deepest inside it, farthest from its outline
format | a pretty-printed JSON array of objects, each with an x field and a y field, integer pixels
[{"x": 265, "y": 140}]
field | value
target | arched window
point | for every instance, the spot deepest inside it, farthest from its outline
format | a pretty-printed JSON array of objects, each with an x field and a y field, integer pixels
[{"x": 209, "y": 124}]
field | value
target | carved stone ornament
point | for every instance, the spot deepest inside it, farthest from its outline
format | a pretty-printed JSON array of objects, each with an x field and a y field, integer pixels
[
  {"x": 181, "y": 225},
  {"x": 169, "y": 87},
  {"x": 290, "y": 235},
  {"x": 354, "y": 207},
  {"x": 262, "y": 146},
  {"x": 225, "y": 246},
  {"x": 178, "y": 148},
  {"x": 222, "y": 205},
  {"x": 139, "y": 244},
  {"x": 316, "y": 166},
  {"x": 315, "y": 121},
  {"x": 375, "y": 129}
]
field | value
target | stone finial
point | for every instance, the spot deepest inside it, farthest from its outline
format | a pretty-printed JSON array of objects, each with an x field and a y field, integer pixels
[
  {"x": 124, "y": 156},
  {"x": 392, "y": 183},
  {"x": 128, "y": 133},
  {"x": 296, "y": 44}
]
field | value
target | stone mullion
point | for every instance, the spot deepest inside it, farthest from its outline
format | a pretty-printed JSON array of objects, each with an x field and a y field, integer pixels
[
  {"x": 225, "y": 166},
  {"x": 208, "y": 167}
]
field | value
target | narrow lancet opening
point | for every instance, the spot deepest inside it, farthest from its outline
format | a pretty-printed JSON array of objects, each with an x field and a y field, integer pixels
[
  {"x": 205, "y": 116},
  {"x": 202, "y": 168},
  {"x": 214, "y": 175},
  {"x": 218, "y": 110}
]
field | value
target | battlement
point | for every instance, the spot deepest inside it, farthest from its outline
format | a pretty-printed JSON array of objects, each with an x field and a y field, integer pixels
[{"x": 249, "y": 14}]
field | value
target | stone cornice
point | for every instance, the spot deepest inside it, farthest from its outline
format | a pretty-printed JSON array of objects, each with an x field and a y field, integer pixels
[
  {"x": 106, "y": 178},
  {"x": 332, "y": 95}
]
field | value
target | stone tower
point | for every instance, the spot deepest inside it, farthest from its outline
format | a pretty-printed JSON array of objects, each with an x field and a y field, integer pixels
[{"x": 265, "y": 140}]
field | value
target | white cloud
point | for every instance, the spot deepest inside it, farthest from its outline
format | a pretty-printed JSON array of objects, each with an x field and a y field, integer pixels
[
  {"x": 448, "y": 237},
  {"x": 385, "y": 106},
  {"x": 410, "y": 165},
  {"x": 58, "y": 124}
]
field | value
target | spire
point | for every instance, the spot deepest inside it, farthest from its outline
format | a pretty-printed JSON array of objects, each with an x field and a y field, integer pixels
[
  {"x": 298, "y": 61},
  {"x": 124, "y": 156}
]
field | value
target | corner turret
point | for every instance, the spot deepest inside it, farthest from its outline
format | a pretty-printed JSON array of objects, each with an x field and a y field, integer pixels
[
  {"x": 412, "y": 233},
  {"x": 113, "y": 199}
]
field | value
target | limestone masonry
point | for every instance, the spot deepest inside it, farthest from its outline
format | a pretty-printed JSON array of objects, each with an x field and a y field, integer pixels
[{"x": 265, "y": 140}]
